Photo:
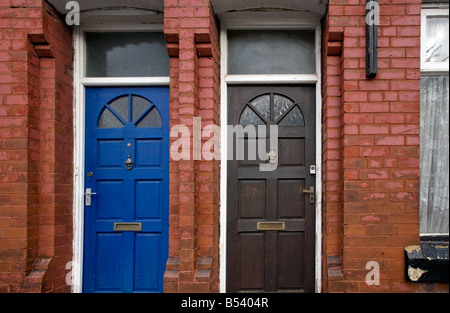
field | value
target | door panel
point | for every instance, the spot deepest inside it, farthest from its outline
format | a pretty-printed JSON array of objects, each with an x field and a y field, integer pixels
[
  {"x": 148, "y": 153},
  {"x": 290, "y": 201},
  {"x": 146, "y": 262},
  {"x": 148, "y": 191},
  {"x": 126, "y": 124},
  {"x": 252, "y": 261},
  {"x": 108, "y": 261},
  {"x": 292, "y": 151},
  {"x": 290, "y": 266},
  {"x": 252, "y": 198},
  {"x": 279, "y": 259},
  {"x": 108, "y": 207},
  {"x": 109, "y": 153}
]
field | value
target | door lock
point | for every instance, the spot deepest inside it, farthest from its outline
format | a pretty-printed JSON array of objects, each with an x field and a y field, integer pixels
[
  {"x": 88, "y": 194},
  {"x": 311, "y": 193}
]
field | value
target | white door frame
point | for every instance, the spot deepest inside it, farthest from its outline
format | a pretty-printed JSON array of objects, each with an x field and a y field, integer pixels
[
  {"x": 79, "y": 84},
  {"x": 269, "y": 21}
]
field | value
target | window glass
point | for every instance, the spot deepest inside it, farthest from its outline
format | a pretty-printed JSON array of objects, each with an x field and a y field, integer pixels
[
  {"x": 109, "y": 120},
  {"x": 285, "y": 111},
  {"x": 434, "y": 155},
  {"x": 151, "y": 119},
  {"x": 126, "y": 55},
  {"x": 121, "y": 106},
  {"x": 249, "y": 117},
  {"x": 262, "y": 105},
  {"x": 281, "y": 105},
  {"x": 271, "y": 52},
  {"x": 434, "y": 124},
  {"x": 437, "y": 40},
  {"x": 117, "y": 113},
  {"x": 293, "y": 118}
]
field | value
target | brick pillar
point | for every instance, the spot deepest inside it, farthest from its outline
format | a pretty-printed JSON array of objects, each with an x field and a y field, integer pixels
[
  {"x": 36, "y": 146},
  {"x": 380, "y": 122},
  {"x": 192, "y": 39},
  {"x": 332, "y": 154}
]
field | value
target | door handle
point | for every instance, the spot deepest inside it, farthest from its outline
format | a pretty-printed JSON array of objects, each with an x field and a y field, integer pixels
[
  {"x": 311, "y": 193},
  {"x": 88, "y": 194}
]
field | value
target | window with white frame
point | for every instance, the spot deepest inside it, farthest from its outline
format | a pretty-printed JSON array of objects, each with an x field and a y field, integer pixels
[
  {"x": 126, "y": 54},
  {"x": 434, "y": 121},
  {"x": 271, "y": 52}
]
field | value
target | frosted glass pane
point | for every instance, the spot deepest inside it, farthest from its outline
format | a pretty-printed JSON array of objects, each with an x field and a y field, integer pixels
[
  {"x": 271, "y": 52},
  {"x": 249, "y": 117},
  {"x": 281, "y": 104},
  {"x": 262, "y": 105},
  {"x": 140, "y": 105},
  {"x": 152, "y": 119},
  {"x": 437, "y": 46},
  {"x": 120, "y": 106},
  {"x": 293, "y": 118},
  {"x": 126, "y": 55},
  {"x": 109, "y": 120}
]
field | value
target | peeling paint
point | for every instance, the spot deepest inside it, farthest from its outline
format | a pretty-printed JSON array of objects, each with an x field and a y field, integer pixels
[
  {"x": 414, "y": 248},
  {"x": 415, "y": 273}
]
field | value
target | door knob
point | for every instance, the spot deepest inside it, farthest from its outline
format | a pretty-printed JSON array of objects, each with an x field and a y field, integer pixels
[{"x": 311, "y": 193}]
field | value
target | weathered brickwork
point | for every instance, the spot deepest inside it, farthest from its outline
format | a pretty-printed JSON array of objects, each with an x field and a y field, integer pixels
[
  {"x": 36, "y": 144},
  {"x": 192, "y": 36},
  {"x": 371, "y": 148}
]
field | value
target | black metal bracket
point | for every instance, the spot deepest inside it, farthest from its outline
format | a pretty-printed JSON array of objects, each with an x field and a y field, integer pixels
[
  {"x": 372, "y": 20},
  {"x": 427, "y": 262}
]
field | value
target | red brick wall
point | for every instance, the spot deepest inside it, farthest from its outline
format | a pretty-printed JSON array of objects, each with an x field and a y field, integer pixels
[
  {"x": 35, "y": 148},
  {"x": 332, "y": 131},
  {"x": 371, "y": 146},
  {"x": 192, "y": 38}
]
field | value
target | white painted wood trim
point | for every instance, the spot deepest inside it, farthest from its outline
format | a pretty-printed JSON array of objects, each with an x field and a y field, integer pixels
[
  {"x": 227, "y": 80},
  {"x": 271, "y": 79},
  {"x": 100, "y": 26},
  {"x": 428, "y": 11},
  {"x": 78, "y": 194},
  {"x": 269, "y": 20},
  {"x": 223, "y": 162},
  {"x": 318, "y": 256},
  {"x": 125, "y": 81}
]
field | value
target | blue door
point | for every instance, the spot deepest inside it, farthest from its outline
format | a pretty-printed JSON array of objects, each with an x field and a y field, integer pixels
[{"x": 127, "y": 189}]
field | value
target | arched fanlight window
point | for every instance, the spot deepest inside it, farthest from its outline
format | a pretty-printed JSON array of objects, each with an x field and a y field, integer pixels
[
  {"x": 272, "y": 108},
  {"x": 130, "y": 109}
]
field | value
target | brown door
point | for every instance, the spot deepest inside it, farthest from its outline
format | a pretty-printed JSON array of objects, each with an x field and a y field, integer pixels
[{"x": 270, "y": 219}]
